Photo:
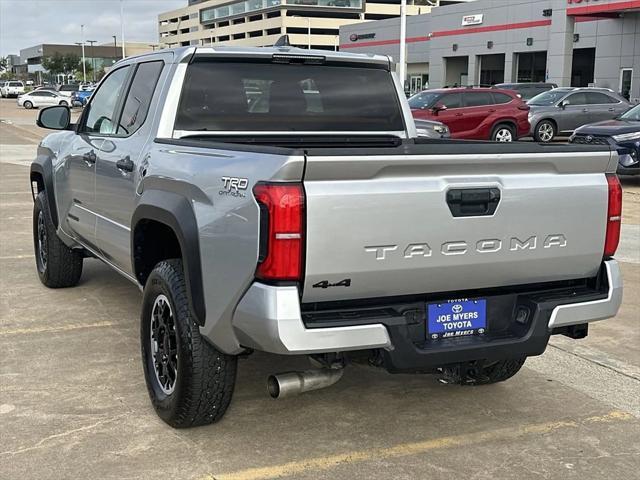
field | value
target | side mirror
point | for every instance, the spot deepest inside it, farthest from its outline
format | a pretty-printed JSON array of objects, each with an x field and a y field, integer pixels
[
  {"x": 564, "y": 103},
  {"x": 438, "y": 107},
  {"x": 57, "y": 117}
]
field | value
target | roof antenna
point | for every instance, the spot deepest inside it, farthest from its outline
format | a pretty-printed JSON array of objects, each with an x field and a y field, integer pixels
[{"x": 283, "y": 41}]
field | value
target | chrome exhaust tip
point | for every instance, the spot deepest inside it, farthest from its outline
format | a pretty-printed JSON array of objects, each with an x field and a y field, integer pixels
[{"x": 289, "y": 384}]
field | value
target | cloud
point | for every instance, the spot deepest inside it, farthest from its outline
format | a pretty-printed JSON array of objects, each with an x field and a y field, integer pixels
[{"x": 25, "y": 23}]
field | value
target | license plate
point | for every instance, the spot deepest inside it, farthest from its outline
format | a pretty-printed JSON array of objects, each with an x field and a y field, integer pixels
[{"x": 456, "y": 318}]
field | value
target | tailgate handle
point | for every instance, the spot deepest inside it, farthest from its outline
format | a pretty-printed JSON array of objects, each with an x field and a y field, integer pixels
[{"x": 473, "y": 202}]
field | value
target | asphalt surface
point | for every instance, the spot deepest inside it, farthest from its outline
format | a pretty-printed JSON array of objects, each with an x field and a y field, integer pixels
[{"x": 73, "y": 404}]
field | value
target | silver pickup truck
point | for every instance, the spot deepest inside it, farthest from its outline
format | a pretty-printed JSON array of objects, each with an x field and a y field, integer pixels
[{"x": 279, "y": 200}]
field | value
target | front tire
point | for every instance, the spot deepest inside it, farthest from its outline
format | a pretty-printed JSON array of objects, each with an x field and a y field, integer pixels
[
  {"x": 545, "y": 131},
  {"x": 190, "y": 383},
  {"x": 503, "y": 133},
  {"x": 58, "y": 265},
  {"x": 28, "y": 105}
]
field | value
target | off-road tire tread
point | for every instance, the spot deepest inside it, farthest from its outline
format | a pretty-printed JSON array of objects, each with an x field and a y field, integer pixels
[
  {"x": 500, "y": 371},
  {"x": 209, "y": 383},
  {"x": 64, "y": 265}
]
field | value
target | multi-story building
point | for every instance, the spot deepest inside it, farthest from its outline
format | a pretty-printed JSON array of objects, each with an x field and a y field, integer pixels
[{"x": 309, "y": 23}]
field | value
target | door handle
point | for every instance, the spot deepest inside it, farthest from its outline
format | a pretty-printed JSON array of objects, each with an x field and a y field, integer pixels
[
  {"x": 90, "y": 158},
  {"x": 612, "y": 109},
  {"x": 585, "y": 110},
  {"x": 125, "y": 164},
  {"x": 459, "y": 114},
  {"x": 492, "y": 110}
]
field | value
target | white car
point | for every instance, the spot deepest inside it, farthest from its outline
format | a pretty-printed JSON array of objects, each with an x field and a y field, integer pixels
[
  {"x": 42, "y": 98},
  {"x": 12, "y": 89}
]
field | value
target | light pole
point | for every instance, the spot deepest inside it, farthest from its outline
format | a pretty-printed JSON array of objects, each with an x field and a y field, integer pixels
[
  {"x": 84, "y": 67},
  {"x": 403, "y": 41},
  {"x": 308, "y": 29},
  {"x": 115, "y": 49},
  {"x": 93, "y": 58},
  {"x": 122, "y": 27}
]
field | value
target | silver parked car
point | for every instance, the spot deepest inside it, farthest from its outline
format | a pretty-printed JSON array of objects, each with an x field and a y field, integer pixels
[
  {"x": 431, "y": 129},
  {"x": 562, "y": 110}
]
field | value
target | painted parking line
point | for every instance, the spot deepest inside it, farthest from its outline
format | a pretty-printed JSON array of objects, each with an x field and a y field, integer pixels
[
  {"x": 53, "y": 329},
  {"x": 16, "y": 257},
  {"x": 317, "y": 464}
]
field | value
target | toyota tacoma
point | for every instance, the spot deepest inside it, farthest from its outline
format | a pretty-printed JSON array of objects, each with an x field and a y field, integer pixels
[{"x": 280, "y": 200}]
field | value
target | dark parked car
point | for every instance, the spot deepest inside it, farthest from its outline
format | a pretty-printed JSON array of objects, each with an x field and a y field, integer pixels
[
  {"x": 527, "y": 90},
  {"x": 474, "y": 113},
  {"x": 623, "y": 133}
]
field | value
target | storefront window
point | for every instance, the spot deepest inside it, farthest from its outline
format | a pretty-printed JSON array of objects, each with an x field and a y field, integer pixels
[{"x": 532, "y": 67}]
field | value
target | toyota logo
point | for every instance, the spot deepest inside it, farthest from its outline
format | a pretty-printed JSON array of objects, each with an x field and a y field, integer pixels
[
  {"x": 589, "y": 138},
  {"x": 353, "y": 37},
  {"x": 457, "y": 308}
]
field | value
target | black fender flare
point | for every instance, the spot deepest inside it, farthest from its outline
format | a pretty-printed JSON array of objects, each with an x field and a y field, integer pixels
[
  {"x": 43, "y": 167},
  {"x": 176, "y": 212}
]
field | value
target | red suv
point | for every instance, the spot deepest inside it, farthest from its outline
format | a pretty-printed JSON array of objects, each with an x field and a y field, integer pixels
[{"x": 474, "y": 113}]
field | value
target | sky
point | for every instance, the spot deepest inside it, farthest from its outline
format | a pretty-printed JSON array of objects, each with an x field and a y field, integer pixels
[{"x": 25, "y": 23}]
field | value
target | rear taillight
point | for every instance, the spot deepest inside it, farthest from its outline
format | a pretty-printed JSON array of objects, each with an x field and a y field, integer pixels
[
  {"x": 282, "y": 231},
  {"x": 614, "y": 215}
]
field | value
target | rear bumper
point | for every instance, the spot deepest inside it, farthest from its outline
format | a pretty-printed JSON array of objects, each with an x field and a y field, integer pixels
[{"x": 269, "y": 318}]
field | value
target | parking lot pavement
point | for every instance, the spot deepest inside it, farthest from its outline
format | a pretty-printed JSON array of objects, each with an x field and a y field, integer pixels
[{"x": 73, "y": 403}]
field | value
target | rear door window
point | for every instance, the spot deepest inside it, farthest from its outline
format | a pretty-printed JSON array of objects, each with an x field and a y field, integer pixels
[
  {"x": 139, "y": 97},
  {"x": 597, "y": 98},
  {"x": 477, "y": 99},
  {"x": 256, "y": 96},
  {"x": 500, "y": 98}
]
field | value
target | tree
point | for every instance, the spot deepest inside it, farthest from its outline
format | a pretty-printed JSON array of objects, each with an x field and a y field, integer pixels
[
  {"x": 4, "y": 62},
  {"x": 70, "y": 63},
  {"x": 88, "y": 69},
  {"x": 54, "y": 64}
]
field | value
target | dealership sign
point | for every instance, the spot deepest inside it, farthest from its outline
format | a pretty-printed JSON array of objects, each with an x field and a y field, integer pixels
[
  {"x": 573, "y": 2},
  {"x": 354, "y": 37},
  {"x": 472, "y": 19}
]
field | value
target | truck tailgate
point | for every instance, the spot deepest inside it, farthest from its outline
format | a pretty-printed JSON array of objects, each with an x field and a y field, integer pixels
[{"x": 414, "y": 222}]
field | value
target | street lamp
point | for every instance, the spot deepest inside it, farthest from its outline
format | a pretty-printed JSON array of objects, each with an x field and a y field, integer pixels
[
  {"x": 84, "y": 67},
  {"x": 308, "y": 29},
  {"x": 122, "y": 27},
  {"x": 93, "y": 58},
  {"x": 403, "y": 41},
  {"x": 115, "y": 49}
]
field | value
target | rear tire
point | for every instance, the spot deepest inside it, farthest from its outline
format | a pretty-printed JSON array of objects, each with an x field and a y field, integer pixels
[
  {"x": 58, "y": 265},
  {"x": 503, "y": 133},
  {"x": 545, "y": 131},
  {"x": 190, "y": 383},
  {"x": 64, "y": 103},
  {"x": 28, "y": 105}
]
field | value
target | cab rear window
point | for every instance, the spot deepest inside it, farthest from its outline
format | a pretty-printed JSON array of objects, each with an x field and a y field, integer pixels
[{"x": 252, "y": 96}]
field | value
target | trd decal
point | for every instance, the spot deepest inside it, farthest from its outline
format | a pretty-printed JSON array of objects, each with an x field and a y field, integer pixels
[{"x": 232, "y": 186}]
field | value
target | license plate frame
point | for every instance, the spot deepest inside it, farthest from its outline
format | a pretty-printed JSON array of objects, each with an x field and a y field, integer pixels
[{"x": 456, "y": 318}]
